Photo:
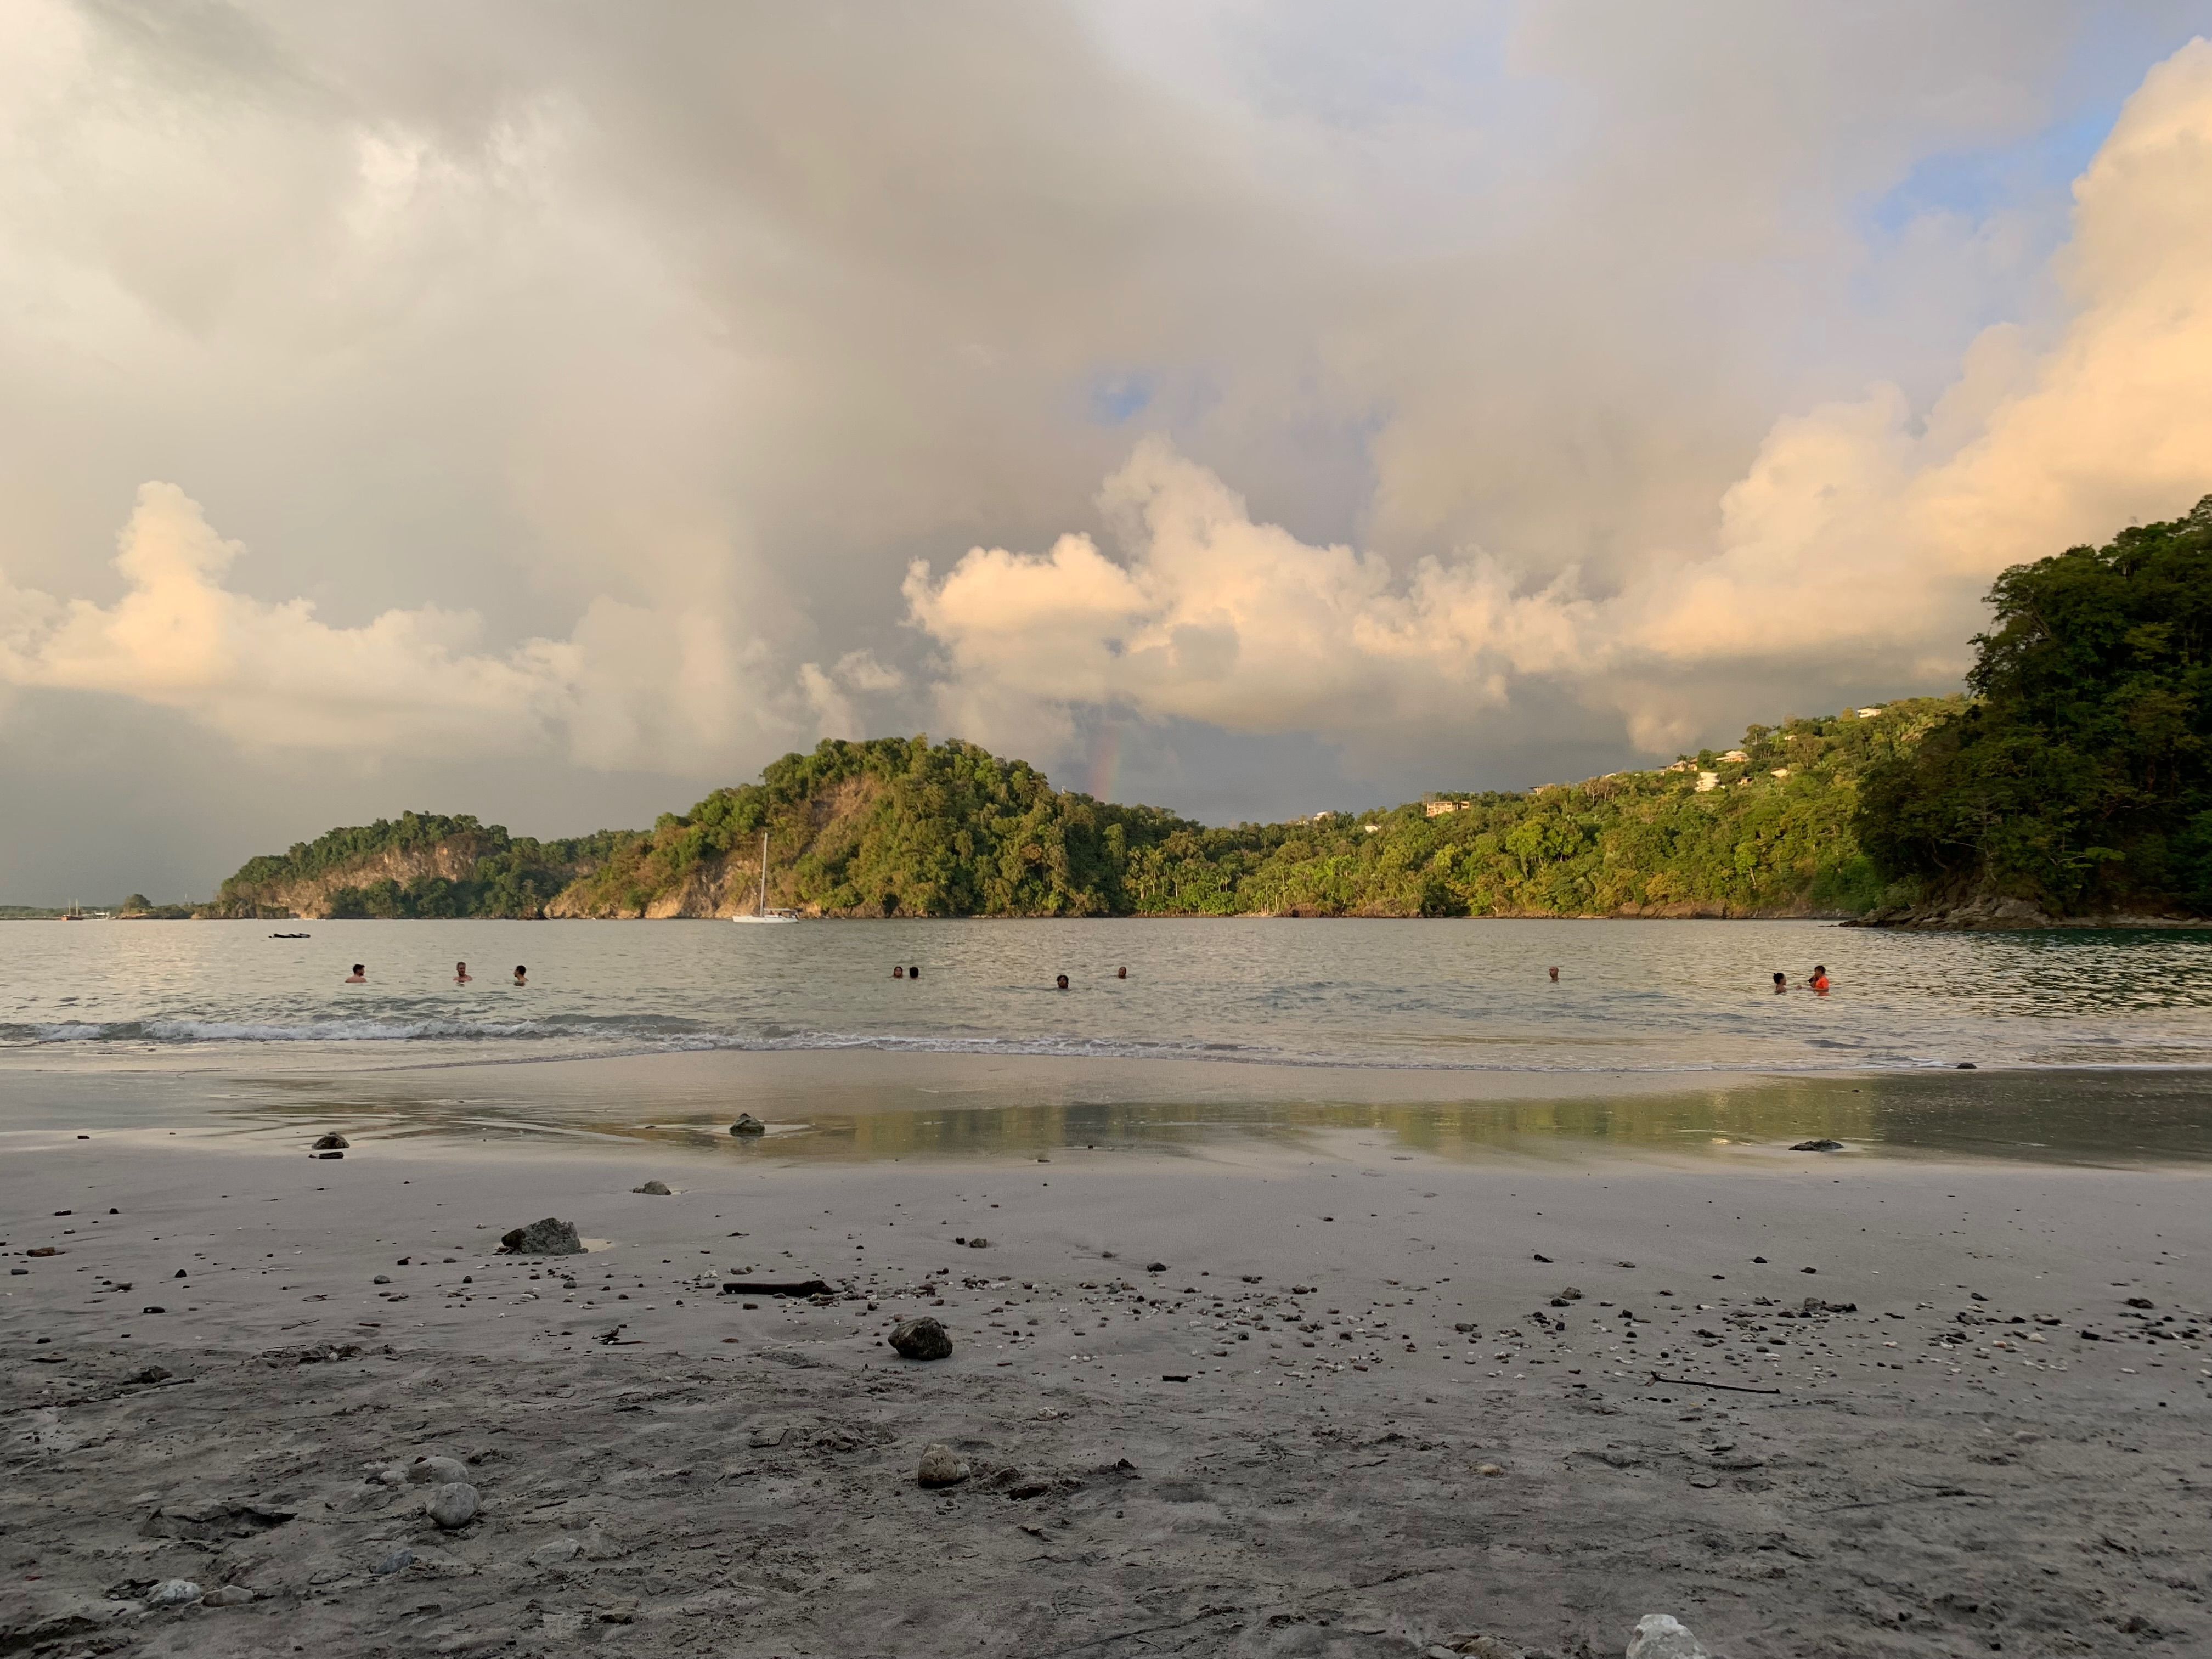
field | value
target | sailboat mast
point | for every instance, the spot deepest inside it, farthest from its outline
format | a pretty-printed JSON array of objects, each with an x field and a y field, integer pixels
[{"x": 763, "y": 898}]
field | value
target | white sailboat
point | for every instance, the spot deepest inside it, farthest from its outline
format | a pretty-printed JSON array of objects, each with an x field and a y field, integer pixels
[{"x": 763, "y": 914}]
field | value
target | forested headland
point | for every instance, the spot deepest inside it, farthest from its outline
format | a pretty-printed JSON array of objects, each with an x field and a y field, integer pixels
[
  {"x": 2070, "y": 780},
  {"x": 2077, "y": 778},
  {"x": 899, "y": 826}
]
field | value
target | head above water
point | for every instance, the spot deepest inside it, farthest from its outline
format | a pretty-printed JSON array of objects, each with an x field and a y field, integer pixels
[
  {"x": 1061, "y": 981},
  {"x": 521, "y": 973},
  {"x": 1555, "y": 973},
  {"x": 1120, "y": 973},
  {"x": 898, "y": 972},
  {"x": 914, "y": 973},
  {"x": 1780, "y": 981}
]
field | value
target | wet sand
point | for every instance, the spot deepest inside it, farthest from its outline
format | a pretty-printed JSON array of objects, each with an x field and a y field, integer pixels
[{"x": 1393, "y": 1429}]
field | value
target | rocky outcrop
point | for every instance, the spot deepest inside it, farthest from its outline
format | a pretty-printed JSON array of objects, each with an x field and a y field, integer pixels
[
  {"x": 310, "y": 898},
  {"x": 1997, "y": 913}
]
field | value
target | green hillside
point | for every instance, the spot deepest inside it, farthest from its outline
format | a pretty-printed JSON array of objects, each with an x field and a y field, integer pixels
[{"x": 901, "y": 827}]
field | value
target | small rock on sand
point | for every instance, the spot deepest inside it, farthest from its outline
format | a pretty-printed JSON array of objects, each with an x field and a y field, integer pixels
[
  {"x": 547, "y": 1238},
  {"x": 921, "y": 1339},
  {"x": 942, "y": 1466},
  {"x": 454, "y": 1504},
  {"x": 173, "y": 1593},
  {"x": 442, "y": 1470},
  {"x": 333, "y": 1142},
  {"x": 747, "y": 1124},
  {"x": 1662, "y": 1636},
  {"x": 558, "y": 1551},
  {"x": 227, "y": 1596},
  {"x": 656, "y": 1188},
  {"x": 1818, "y": 1146},
  {"x": 397, "y": 1561}
]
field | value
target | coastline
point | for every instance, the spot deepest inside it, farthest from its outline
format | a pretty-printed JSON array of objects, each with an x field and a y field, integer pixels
[{"x": 665, "y": 1468}]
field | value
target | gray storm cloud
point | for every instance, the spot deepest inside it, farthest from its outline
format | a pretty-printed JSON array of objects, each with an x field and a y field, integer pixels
[
  {"x": 1859, "y": 532},
  {"x": 604, "y": 402}
]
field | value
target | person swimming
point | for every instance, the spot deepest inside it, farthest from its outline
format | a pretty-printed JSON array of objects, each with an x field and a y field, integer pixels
[
  {"x": 914, "y": 973},
  {"x": 1781, "y": 983},
  {"x": 1555, "y": 977},
  {"x": 1120, "y": 973},
  {"x": 359, "y": 976},
  {"x": 461, "y": 973},
  {"x": 521, "y": 975},
  {"x": 1819, "y": 980},
  {"x": 1061, "y": 983},
  {"x": 898, "y": 972}
]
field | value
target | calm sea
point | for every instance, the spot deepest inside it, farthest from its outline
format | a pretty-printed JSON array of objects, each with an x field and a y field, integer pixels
[{"x": 1681, "y": 997}]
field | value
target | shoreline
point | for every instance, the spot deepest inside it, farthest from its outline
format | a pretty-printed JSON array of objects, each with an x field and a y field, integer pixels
[
  {"x": 867, "y": 1104},
  {"x": 662, "y": 1467}
]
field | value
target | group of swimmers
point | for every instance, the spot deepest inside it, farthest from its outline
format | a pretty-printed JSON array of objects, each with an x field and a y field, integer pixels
[
  {"x": 1818, "y": 984},
  {"x": 461, "y": 974},
  {"x": 1059, "y": 982}
]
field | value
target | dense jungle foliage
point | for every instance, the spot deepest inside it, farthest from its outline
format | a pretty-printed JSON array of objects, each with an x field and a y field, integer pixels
[
  {"x": 2078, "y": 776},
  {"x": 897, "y": 826},
  {"x": 900, "y": 826}
]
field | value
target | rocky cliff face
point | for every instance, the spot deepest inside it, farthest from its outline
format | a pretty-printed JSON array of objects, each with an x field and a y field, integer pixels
[
  {"x": 310, "y": 898},
  {"x": 714, "y": 887}
]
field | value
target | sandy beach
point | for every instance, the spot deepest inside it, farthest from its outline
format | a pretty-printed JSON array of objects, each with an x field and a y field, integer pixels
[{"x": 1327, "y": 1393}]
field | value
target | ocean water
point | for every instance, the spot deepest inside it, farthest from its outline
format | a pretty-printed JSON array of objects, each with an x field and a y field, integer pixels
[{"x": 1632, "y": 997}]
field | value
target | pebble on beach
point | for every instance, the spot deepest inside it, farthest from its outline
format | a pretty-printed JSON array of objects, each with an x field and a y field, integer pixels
[
  {"x": 454, "y": 1504},
  {"x": 747, "y": 1124},
  {"x": 941, "y": 1466},
  {"x": 921, "y": 1339},
  {"x": 173, "y": 1593},
  {"x": 1818, "y": 1146},
  {"x": 654, "y": 1188},
  {"x": 443, "y": 1471},
  {"x": 333, "y": 1142}
]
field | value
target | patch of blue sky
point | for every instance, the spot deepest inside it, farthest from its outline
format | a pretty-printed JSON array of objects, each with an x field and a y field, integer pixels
[
  {"x": 1114, "y": 399},
  {"x": 1976, "y": 184}
]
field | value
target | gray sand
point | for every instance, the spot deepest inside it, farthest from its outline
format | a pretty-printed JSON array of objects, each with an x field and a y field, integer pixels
[{"x": 1950, "y": 1469}]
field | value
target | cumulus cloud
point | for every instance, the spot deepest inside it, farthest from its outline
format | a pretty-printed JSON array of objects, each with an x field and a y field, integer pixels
[
  {"x": 1856, "y": 546},
  {"x": 272, "y": 675}
]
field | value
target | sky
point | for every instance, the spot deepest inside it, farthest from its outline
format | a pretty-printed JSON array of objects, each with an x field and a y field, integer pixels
[{"x": 553, "y": 411}]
